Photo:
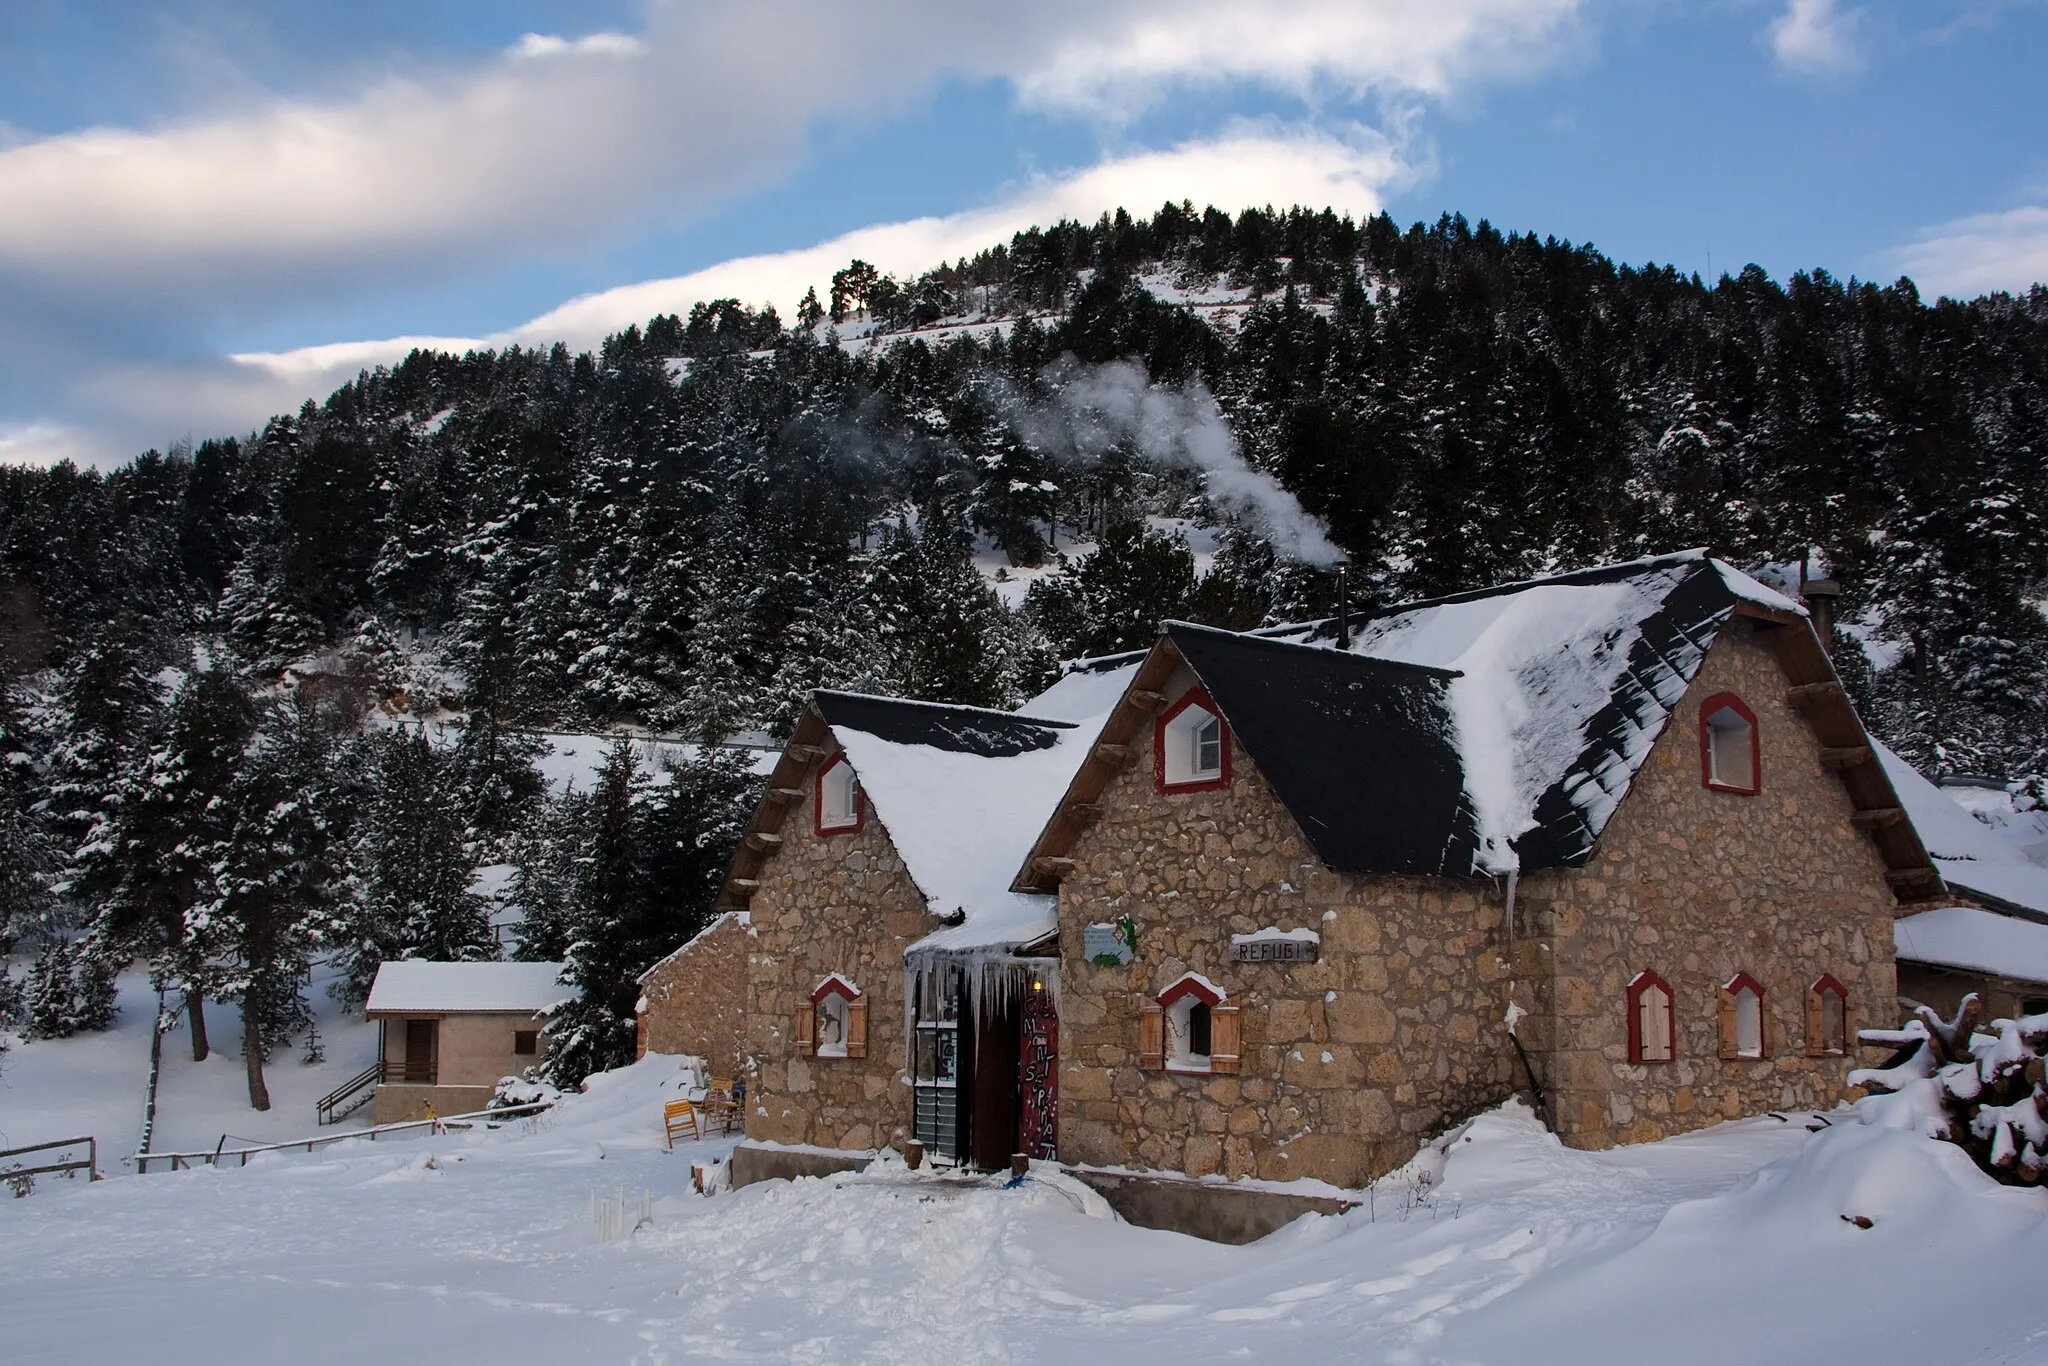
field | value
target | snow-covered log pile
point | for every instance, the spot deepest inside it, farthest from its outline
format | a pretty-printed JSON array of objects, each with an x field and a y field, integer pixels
[{"x": 1980, "y": 1088}]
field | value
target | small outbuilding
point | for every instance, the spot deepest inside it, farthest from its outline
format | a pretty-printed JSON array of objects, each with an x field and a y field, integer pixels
[
  {"x": 695, "y": 1000},
  {"x": 448, "y": 1032}
]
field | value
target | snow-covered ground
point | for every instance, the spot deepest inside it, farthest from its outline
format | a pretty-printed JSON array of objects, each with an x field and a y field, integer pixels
[
  {"x": 1730, "y": 1244},
  {"x": 95, "y": 1083}
]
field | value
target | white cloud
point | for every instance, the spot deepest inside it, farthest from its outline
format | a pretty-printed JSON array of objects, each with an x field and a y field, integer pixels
[
  {"x": 1975, "y": 255},
  {"x": 1815, "y": 37},
  {"x": 1251, "y": 165}
]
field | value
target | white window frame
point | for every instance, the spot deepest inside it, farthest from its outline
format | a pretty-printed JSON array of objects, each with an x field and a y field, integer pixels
[
  {"x": 1184, "y": 745},
  {"x": 1179, "y": 1023},
  {"x": 832, "y": 1026},
  {"x": 839, "y": 796}
]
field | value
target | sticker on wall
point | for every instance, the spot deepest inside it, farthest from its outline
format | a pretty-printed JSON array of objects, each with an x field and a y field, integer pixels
[
  {"x": 1275, "y": 945},
  {"x": 1111, "y": 945}
]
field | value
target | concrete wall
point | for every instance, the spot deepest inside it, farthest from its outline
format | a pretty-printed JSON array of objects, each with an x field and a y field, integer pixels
[
  {"x": 1698, "y": 885},
  {"x": 833, "y": 903},
  {"x": 1346, "y": 1063},
  {"x": 395, "y": 1102},
  {"x": 696, "y": 1000},
  {"x": 1217, "y": 1213},
  {"x": 751, "y": 1164},
  {"x": 474, "y": 1050}
]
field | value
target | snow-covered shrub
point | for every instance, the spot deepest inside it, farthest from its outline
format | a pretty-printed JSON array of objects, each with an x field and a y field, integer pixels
[
  {"x": 70, "y": 988},
  {"x": 525, "y": 1089},
  {"x": 1982, "y": 1089}
]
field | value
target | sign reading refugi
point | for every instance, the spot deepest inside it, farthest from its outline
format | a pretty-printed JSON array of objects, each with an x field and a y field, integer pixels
[{"x": 1274, "y": 946}]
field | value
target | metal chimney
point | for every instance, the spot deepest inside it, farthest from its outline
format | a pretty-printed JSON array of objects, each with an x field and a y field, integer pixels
[{"x": 1343, "y": 606}]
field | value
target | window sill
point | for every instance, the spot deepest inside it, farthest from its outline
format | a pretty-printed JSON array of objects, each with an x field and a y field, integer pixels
[
  {"x": 833, "y": 1051},
  {"x": 1732, "y": 790},
  {"x": 1202, "y": 1069}
]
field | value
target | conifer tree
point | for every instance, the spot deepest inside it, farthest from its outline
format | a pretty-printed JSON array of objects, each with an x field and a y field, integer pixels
[
  {"x": 595, "y": 1031},
  {"x": 551, "y": 856}
]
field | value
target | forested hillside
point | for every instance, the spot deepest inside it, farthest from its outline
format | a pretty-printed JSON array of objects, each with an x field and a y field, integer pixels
[{"x": 692, "y": 526}]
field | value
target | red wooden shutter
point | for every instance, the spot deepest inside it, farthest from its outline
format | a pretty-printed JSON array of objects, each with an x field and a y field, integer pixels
[
  {"x": 1223, "y": 1045},
  {"x": 857, "y": 1027},
  {"x": 805, "y": 1030},
  {"x": 1729, "y": 1048},
  {"x": 1152, "y": 1036}
]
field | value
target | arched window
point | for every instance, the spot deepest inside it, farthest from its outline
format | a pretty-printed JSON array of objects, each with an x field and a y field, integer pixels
[
  {"x": 1191, "y": 747},
  {"x": 835, "y": 1024},
  {"x": 1189, "y": 1028},
  {"x": 839, "y": 803},
  {"x": 1742, "y": 1017},
  {"x": 1730, "y": 754},
  {"x": 1827, "y": 1018},
  {"x": 1650, "y": 1034}
]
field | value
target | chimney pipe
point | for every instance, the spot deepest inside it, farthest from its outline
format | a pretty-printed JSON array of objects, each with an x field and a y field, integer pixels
[
  {"x": 1820, "y": 595},
  {"x": 1343, "y": 606}
]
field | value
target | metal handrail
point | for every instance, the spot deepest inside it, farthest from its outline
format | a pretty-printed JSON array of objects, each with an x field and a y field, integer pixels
[
  {"x": 179, "y": 1161},
  {"x": 324, "y": 1108}
]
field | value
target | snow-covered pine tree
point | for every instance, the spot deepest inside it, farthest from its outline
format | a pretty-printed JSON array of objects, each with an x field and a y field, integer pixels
[
  {"x": 156, "y": 863},
  {"x": 595, "y": 1031},
  {"x": 412, "y": 870},
  {"x": 106, "y": 703},
  {"x": 275, "y": 870},
  {"x": 547, "y": 867},
  {"x": 492, "y": 773}
]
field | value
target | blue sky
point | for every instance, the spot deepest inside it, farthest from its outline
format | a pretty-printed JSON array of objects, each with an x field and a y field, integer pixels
[{"x": 217, "y": 209}]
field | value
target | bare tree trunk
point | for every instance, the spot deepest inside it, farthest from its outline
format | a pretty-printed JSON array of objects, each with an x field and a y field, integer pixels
[
  {"x": 252, "y": 1049},
  {"x": 195, "y": 1012}
]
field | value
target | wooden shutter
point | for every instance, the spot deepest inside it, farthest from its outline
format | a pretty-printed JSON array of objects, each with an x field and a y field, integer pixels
[
  {"x": 805, "y": 1030},
  {"x": 857, "y": 1027},
  {"x": 1816, "y": 1032},
  {"x": 1152, "y": 1036},
  {"x": 1729, "y": 1026},
  {"x": 1223, "y": 1047}
]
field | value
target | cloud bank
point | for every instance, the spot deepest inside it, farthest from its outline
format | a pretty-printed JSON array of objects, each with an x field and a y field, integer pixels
[
  {"x": 1980, "y": 254},
  {"x": 1815, "y": 37},
  {"x": 122, "y": 250}
]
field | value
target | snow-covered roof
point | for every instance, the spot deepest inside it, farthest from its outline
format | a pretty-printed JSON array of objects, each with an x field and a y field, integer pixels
[
  {"x": 1975, "y": 941},
  {"x": 963, "y": 792},
  {"x": 1086, "y": 688},
  {"x": 415, "y": 986},
  {"x": 1973, "y": 858},
  {"x": 1949, "y": 832},
  {"x": 1562, "y": 685}
]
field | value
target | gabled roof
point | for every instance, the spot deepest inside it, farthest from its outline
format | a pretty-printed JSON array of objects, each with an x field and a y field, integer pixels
[
  {"x": 960, "y": 791},
  {"x": 1974, "y": 859},
  {"x": 1972, "y": 940},
  {"x": 1316, "y": 720},
  {"x": 414, "y": 986},
  {"x": 1543, "y": 701}
]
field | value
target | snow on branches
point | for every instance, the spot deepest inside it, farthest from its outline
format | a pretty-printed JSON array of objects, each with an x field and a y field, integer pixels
[{"x": 1980, "y": 1088}]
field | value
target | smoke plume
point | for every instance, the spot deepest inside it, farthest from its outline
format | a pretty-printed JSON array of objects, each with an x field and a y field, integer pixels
[{"x": 1095, "y": 408}]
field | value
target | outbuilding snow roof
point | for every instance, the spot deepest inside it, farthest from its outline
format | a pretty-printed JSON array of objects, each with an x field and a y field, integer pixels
[
  {"x": 1974, "y": 940},
  {"x": 415, "y": 986}
]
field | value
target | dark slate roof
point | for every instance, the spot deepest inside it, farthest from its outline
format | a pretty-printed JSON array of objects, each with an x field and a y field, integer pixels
[
  {"x": 962, "y": 730},
  {"x": 1358, "y": 749},
  {"x": 1421, "y": 783}
]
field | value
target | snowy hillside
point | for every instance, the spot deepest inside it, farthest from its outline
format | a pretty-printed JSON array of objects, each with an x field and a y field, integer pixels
[{"x": 1508, "y": 1249}]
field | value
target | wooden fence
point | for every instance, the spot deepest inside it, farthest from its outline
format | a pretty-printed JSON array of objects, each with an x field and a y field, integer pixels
[
  {"x": 221, "y": 1154},
  {"x": 22, "y": 1172}
]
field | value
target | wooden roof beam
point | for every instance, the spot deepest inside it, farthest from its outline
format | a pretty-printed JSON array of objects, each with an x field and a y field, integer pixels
[
  {"x": 1804, "y": 695},
  {"x": 1838, "y": 757}
]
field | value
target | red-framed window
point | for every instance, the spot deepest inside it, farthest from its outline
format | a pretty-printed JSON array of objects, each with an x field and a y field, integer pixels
[
  {"x": 836, "y": 1023},
  {"x": 1827, "y": 1018},
  {"x": 1189, "y": 1028},
  {"x": 1742, "y": 1018},
  {"x": 838, "y": 805},
  {"x": 1731, "y": 750},
  {"x": 1652, "y": 1031},
  {"x": 1191, "y": 745}
]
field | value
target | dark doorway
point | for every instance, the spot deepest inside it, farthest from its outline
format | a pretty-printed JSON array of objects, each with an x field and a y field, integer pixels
[
  {"x": 992, "y": 1126},
  {"x": 420, "y": 1038}
]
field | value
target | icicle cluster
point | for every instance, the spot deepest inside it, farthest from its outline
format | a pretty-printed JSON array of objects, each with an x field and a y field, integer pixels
[{"x": 1982, "y": 1089}]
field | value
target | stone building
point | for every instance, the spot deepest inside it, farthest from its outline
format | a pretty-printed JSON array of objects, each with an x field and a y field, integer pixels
[
  {"x": 695, "y": 1000},
  {"x": 447, "y": 1033},
  {"x": 1282, "y": 904}
]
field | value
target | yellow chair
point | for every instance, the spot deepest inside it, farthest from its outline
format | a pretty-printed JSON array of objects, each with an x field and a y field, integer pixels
[{"x": 680, "y": 1117}]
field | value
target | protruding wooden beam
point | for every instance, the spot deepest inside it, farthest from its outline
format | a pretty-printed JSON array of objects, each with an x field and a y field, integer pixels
[
  {"x": 806, "y": 753},
  {"x": 1147, "y": 700},
  {"x": 742, "y": 887},
  {"x": 1877, "y": 818},
  {"x": 1119, "y": 755},
  {"x": 1051, "y": 866},
  {"x": 1083, "y": 811},
  {"x": 763, "y": 841},
  {"x": 1804, "y": 695},
  {"x": 1845, "y": 756},
  {"x": 785, "y": 794},
  {"x": 1910, "y": 877}
]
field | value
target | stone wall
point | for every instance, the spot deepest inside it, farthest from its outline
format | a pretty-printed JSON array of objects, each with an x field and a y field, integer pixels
[
  {"x": 695, "y": 1000},
  {"x": 1698, "y": 885},
  {"x": 1346, "y": 1063},
  {"x": 833, "y": 903}
]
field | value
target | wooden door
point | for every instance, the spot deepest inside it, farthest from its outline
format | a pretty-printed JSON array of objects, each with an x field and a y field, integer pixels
[{"x": 420, "y": 1038}]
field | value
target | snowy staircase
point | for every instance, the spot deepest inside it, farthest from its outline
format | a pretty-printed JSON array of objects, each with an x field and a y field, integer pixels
[{"x": 352, "y": 1095}]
